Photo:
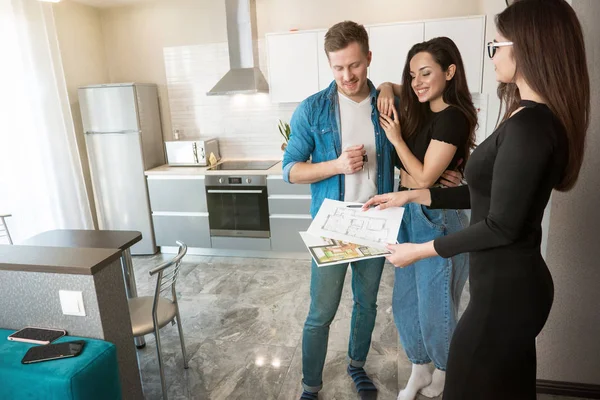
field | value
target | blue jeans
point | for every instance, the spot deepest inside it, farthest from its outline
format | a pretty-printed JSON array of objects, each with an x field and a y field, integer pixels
[
  {"x": 326, "y": 286},
  {"x": 427, "y": 293}
]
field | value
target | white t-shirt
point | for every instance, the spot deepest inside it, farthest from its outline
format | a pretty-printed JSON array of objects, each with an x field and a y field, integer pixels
[{"x": 357, "y": 128}]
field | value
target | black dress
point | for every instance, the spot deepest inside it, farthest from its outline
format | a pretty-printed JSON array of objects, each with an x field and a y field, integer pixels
[{"x": 511, "y": 175}]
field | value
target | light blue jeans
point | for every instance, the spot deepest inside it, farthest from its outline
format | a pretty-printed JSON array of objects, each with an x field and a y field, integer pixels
[
  {"x": 427, "y": 293},
  {"x": 326, "y": 284}
]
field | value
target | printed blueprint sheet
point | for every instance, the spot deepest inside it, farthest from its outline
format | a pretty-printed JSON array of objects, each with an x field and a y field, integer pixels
[{"x": 373, "y": 228}]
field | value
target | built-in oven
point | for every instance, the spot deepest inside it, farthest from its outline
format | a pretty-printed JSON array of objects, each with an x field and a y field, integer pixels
[{"x": 238, "y": 205}]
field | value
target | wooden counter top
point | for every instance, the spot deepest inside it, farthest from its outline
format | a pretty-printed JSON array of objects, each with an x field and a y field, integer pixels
[
  {"x": 85, "y": 238},
  {"x": 58, "y": 260}
]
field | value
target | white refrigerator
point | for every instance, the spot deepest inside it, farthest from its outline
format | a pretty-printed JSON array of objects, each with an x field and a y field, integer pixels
[{"x": 123, "y": 136}]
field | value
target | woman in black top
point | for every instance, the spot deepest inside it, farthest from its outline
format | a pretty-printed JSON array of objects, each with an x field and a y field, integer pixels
[
  {"x": 434, "y": 131},
  {"x": 540, "y": 61}
]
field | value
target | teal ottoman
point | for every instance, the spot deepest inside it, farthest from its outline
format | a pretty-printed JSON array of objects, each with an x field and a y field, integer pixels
[{"x": 93, "y": 375}]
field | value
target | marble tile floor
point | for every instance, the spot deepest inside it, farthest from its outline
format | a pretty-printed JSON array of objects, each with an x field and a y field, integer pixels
[{"x": 242, "y": 321}]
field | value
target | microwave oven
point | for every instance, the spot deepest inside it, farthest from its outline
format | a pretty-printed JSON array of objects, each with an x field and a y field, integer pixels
[{"x": 191, "y": 152}]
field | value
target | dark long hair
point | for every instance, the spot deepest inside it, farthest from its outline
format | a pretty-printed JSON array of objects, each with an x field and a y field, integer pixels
[
  {"x": 549, "y": 53},
  {"x": 413, "y": 114}
]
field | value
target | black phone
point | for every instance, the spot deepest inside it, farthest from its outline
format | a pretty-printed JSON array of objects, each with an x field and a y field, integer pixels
[
  {"x": 53, "y": 351},
  {"x": 37, "y": 335}
]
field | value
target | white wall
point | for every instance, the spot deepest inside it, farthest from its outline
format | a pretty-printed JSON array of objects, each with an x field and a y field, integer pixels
[{"x": 278, "y": 15}]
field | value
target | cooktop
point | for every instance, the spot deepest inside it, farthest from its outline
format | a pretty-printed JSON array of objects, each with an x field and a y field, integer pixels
[{"x": 243, "y": 165}]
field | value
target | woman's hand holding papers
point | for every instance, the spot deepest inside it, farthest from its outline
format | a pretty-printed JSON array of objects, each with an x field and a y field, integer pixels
[{"x": 398, "y": 199}]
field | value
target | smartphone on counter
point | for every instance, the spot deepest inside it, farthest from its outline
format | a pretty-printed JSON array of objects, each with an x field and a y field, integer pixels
[
  {"x": 37, "y": 335},
  {"x": 53, "y": 352}
]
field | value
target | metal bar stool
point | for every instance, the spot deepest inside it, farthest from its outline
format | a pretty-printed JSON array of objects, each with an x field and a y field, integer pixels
[
  {"x": 150, "y": 313},
  {"x": 4, "y": 233}
]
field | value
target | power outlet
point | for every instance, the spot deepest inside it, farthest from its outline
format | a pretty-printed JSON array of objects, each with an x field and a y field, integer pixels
[{"x": 72, "y": 302}]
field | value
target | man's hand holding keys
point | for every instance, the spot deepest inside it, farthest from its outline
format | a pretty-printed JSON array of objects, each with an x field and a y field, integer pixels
[{"x": 351, "y": 160}]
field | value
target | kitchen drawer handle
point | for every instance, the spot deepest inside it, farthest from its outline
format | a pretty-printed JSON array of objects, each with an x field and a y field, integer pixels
[{"x": 235, "y": 191}]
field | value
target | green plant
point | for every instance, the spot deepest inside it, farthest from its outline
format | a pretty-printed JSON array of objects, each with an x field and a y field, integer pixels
[{"x": 284, "y": 130}]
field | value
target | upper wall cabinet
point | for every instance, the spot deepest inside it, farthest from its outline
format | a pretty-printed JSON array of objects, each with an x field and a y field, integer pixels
[
  {"x": 468, "y": 34},
  {"x": 390, "y": 45},
  {"x": 298, "y": 65},
  {"x": 293, "y": 66}
]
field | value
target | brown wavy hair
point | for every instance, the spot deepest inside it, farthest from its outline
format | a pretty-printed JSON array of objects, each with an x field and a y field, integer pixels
[
  {"x": 342, "y": 34},
  {"x": 549, "y": 52},
  {"x": 414, "y": 114}
]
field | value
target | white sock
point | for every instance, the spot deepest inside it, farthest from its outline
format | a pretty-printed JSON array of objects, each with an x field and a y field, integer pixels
[
  {"x": 420, "y": 377},
  {"x": 437, "y": 384}
]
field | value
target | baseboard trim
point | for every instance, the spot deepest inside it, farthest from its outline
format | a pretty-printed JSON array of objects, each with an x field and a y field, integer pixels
[{"x": 571, "y": 389}]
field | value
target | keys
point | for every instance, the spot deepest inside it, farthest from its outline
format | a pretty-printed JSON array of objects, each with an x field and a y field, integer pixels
[{"x": 365, "y": 160}]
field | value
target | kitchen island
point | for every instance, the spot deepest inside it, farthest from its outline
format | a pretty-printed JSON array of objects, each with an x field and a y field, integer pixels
[{"x": 30, "y": 280}]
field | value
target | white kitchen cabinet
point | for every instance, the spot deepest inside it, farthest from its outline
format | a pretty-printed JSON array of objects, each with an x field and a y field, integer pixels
[
  {"x": 293, "y": 66},
  {"x": 390, "y": 45},
  {"x": 298, "y": 65},
  {"x": 468, "y": 34}
]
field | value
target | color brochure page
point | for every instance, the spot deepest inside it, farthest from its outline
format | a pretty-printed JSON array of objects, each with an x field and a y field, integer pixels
[
  {"x": 341, "y": 232},
  {"x": 327, "y": 251}
]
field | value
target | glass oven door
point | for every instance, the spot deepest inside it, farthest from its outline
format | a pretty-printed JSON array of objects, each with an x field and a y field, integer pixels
[{"x": 238, "y": 211}]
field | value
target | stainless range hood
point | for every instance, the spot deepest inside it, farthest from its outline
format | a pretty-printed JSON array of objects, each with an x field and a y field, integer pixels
[{"x": 244, "y": 76}]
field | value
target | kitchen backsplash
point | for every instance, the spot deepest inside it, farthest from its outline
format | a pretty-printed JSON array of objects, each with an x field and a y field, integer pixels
[{"x": 246, "y": 125}]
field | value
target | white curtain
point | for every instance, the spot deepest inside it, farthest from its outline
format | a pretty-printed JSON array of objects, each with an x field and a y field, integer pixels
[{"x": 41, "y": 179}]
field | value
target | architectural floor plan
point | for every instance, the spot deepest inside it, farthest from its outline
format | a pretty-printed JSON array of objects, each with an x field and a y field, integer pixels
[
  {"x": 347, "y": 222},
  {"x": 355, "y": 223}
]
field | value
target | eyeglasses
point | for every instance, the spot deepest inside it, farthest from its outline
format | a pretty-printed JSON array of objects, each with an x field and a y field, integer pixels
[{"x": 492, "y": 46}]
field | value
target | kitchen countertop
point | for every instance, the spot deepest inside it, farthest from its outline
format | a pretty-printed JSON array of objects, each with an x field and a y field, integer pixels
[
  {"x": 168, "y": 170},
  {"x": 60, "y": 260},
  {"x": 97, "y": 239}
]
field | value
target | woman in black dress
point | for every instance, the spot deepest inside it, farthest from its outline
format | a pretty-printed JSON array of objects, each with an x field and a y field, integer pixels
[{"x": 540, "y": 63}]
